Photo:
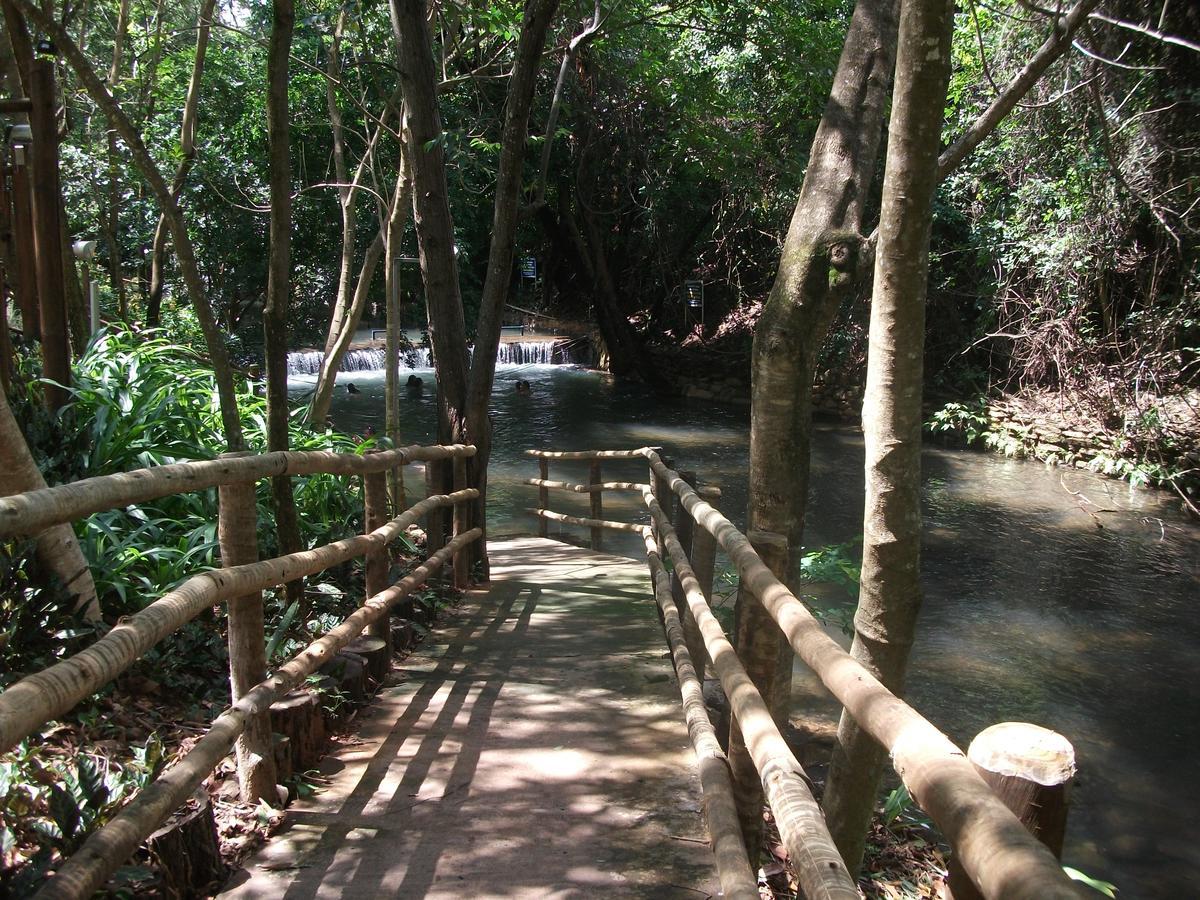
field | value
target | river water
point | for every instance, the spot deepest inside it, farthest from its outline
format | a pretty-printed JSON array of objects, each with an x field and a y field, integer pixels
[{"x": 1051, "y": 596}]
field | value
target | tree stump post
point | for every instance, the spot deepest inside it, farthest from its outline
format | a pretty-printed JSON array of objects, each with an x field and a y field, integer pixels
[
  {"x": 186, "y": 851},
  {"x": 1030, "y": 769},
  {"x": 543, "y": 495},
  {"x": 238, "y": 536},
  {"x": 758, "y": 641},
  {"x": 462, "y": 524},
  {"x": 375, "y": 502},
  {"x": 298, "y": 717},
  {"x": 47, "y": 203},
  {"x": 596, "y": 500}
]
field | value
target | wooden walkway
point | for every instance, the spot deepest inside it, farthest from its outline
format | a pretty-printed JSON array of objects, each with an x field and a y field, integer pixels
[{"x": 534, "y": 747}]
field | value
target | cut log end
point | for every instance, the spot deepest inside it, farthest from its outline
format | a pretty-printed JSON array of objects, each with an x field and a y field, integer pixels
[{"x": 1022, "y": 750}]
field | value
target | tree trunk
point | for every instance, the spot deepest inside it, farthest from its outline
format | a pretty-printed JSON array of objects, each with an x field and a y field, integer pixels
[
  {"x": 890, "y": 590},
  {"x": 323, "y": 396},
  {"x": 57, "y": 547},
  {"x": 538, "y": 14},
  {"x": 111, "y": 219},
  {"x": 187, "y": 152},
  {"x": 275, "y": 330},
  {"x": 818, "y": 269},
  {"x": 214, "y": 339},
  {"x": 401, "y": 203},
  {"x": 431, "y": 216}
]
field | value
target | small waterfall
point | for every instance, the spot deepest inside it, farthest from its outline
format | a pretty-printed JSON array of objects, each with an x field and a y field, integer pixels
[
  {"x": 509, "y": 355},
  {"x": 366, "y": 359}
]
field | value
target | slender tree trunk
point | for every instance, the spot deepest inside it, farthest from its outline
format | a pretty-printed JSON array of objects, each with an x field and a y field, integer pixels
[
  {"x": 57, "y": 547},
  {"x": 168, "y": 204},
  {"x": 275, "y": 330},
  {"x": 112, "y": 219},
  {"x": 890, "y": 590},
  {"x": 401, "y": 203},
  {"x": 538, "y": 15},
  {"x": 187, "y": 152},
  {"x": 431, "y": 216}
]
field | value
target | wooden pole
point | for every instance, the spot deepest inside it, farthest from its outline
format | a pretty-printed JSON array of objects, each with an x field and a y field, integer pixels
[
  {"x": 543, "y": 495},
  {"x": 24, "y": 257},
  {"x": 238, "y": 535},
  {"x": 1030, "y": 769},
  {"x": 47, "y": 200},
  {"x": 597, "y": 503},
  {"x": 375, "y": 515},
  {"x": 757, "y": 639},
  {"x": 435, "y": 528},
  {"x": 704, "y": 547},
  {"x": 684, "y": 530},
  {"x": 6, "y": 264},
  {"x": 462, "y": 524},
  {"x": 661, "y": 488}
]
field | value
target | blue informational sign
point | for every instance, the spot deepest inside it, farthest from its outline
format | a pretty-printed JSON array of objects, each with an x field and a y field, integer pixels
[
  {"x": 694, "y": 293},
  {"x": 529, "y": 267}
]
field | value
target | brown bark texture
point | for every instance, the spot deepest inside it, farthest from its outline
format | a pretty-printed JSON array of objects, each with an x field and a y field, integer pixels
[
  {"x": 56, "y": 545},
  {"x": 275, "y": 311},
  {"x": 890, "y": 590},
  {"x": 431, "y": 215},
  {"x": 505, "y": 215}
]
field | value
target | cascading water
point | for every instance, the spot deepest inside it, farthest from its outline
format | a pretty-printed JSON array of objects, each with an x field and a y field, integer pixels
[{"x": 512, "y": 353}]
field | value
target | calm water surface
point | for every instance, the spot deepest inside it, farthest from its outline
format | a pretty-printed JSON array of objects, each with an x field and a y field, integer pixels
[{"x": 1051, "y": 596}]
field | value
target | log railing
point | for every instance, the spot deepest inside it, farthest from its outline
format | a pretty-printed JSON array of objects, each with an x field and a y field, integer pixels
[
  {"x": 997, "y": 853},
  {"x": 31, "y": 702}
]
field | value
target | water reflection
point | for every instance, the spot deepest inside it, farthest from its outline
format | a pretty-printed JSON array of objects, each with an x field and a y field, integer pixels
[{"x": 1052, "y": 596}]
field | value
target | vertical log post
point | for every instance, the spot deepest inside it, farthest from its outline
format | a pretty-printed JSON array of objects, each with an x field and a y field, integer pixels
[
  {"x": 661, "y": 489},
  {"x": 758, "y": 641},
  {"x": 685, "y": 528},
  {"x": 24, "y": 257},
  {"x": 238, "y": 534},
  {"x": 1030, "y": 769},
  {"x": 47, "y": 200},
  {"x": 375, "y": 504},
  {"x": 435, "y": 527},
  {"x": 543, "y": 496},
  {"x": 6, "y": 264},
  {"x": 704, "y": 559},
  {"x": 462, "y": 524},
  {"x": 594, "y": 476}
]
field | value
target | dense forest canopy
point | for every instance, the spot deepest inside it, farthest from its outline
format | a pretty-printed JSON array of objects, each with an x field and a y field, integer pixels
[{"x": 683, "y": 132}]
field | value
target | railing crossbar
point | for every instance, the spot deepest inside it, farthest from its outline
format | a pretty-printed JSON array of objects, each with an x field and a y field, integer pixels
[
  {"x": 1002, "y": 858},
  {"x": 34, "y": 511},
  {"x": 629, "y": 486},
  {"x": 581, "y": 520},
  {"x": 44, "y": 695},
  {"x": 104, "y": 851}
]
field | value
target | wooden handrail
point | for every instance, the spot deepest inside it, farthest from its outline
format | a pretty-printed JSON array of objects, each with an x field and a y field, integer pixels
[
  {"x": 34, "y": 511},
  {"x": 738, "y": 881},
  {"x": 798, "y": 816},
  {"x": 106, "y": 850},
  {"x": 44, "y": 695},
  {"x": 630, "y": 486},
  {"x": 580, "y": 520},
  {"x": 590, "y": 454},
  {"x": 1001, "y": 857}
]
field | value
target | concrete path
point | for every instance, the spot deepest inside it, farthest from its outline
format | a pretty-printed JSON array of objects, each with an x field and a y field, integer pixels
[{"x": 535, "y": 748}]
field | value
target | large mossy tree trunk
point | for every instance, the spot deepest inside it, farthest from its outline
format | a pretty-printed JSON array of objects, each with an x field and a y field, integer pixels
[
  {"x": 505, "y": 216},
  {"x": 819, "y": 268},
  {"x": 890, "y": 590},
  {"x": 431, "y": 216},
  {"x": 275, "y": 330}
]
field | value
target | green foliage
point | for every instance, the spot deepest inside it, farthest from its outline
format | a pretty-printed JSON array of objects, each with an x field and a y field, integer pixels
[
  {"x": 49, "y": 806},
  {"x": 38, "y": 623},
  {"x": 1107, "y": 888},
  {"x": 836, "y": 565}
]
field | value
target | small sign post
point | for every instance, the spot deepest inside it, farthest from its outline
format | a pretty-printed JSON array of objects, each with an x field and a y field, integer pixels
[
  {"x": 529, "y": 267},
  {"x": 693, "y": 303}
]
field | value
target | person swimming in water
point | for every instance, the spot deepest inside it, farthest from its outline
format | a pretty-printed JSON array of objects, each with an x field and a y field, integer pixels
[
  {"x": 415, "y": 384},
  {"x": 351, "y": 389},
  {"x": 523, "y": 386}
]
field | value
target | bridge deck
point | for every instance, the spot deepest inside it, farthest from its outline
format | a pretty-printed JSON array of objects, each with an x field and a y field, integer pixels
[{"x": 535, "y": 748}]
